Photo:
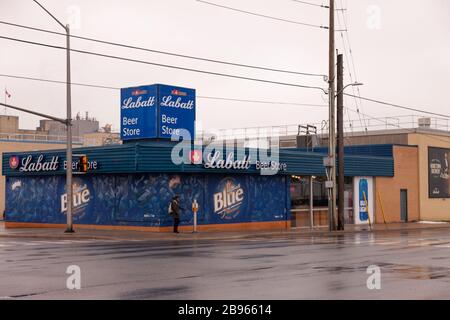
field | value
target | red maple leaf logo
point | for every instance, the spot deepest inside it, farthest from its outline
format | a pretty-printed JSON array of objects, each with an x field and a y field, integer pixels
[
  {"x": 14, "y": 162},
  {"x": 196, "y": 157}
]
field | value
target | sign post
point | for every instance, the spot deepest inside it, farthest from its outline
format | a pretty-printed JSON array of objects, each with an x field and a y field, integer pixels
[{"x": 195, "y": 210}]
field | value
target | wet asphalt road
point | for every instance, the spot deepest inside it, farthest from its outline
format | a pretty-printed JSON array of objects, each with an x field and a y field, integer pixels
[{"x": 414, "y": 265}]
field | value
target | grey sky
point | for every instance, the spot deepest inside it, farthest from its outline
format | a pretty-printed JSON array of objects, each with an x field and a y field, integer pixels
[{"x": 400, "y": 55}]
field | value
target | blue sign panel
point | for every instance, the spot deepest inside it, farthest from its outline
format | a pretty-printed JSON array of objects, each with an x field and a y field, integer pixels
[
  {"x": 243, "y": 199},
  {"x": 143, "y": 199},
  {"x": 176, "y": 111},
  {"x": 363, "y": 197},
  {"x": 138, "y": 113}
]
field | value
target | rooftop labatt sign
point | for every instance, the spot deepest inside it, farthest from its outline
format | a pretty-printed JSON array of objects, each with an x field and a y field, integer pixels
[{"x": 157, "y": 111}]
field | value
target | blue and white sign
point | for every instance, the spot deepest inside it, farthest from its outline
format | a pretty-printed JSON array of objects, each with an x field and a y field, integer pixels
[
  {"x": 138, "y": 112},
  {"x": 363, "y": 200},
  {"x": 156, "y": 111},
  {"x": 176, "y": 111}
]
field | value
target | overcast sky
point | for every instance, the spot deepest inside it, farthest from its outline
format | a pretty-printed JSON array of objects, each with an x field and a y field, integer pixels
[{"x": 401, "y": 51}]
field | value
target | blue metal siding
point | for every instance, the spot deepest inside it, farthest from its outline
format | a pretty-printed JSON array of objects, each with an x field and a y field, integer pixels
[{"x": 156, "y": 157}]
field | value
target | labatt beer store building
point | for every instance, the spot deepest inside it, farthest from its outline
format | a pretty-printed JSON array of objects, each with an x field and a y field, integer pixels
[{"x": 129, "y": 186}]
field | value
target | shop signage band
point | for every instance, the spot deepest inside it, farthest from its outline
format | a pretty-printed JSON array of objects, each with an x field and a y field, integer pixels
[
  {"x": 214, "y": 160},
  {"x": 42, "y": 164}
]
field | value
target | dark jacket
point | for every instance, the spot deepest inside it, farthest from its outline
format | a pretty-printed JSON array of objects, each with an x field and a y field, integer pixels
[{"x": 175, "y": 208}]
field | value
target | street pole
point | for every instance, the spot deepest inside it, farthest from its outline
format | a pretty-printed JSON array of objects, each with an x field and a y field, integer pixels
[
  {"x": 331, "y": 126},
  {"x": 340, "y": 141},
  {"x": 311, "y": 201},
  {"x": 69, "y": 188},
  {"x": 69, "y": 185}
]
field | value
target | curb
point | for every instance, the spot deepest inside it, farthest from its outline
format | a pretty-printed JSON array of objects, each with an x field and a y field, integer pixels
[
  {"x": 190, "y": 236},
  {"x": 53, "y": 236}
]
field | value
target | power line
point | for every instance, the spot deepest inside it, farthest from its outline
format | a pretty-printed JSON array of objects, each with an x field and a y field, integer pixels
[
  {"x": 401, "y": 107},
  {"x": 200, "y": 97},
  {"x": 165, "y": 65},
  {"x": 57, "y": 82},
  {"x": 265, "y": 102},
  {"x": 349, "y": 72},
  {"x": 217, "y": 74},
  {"x": 312, "y": 4},
  {"x": 215, "y": 98},
  {"x": 263, "y": 16},
  {"x": 164, "y": 52},
  {"x": 344, "y": 19}
]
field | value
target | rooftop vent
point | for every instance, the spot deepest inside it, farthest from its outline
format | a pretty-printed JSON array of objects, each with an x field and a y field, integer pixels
[{"x": 424, "y": 122}]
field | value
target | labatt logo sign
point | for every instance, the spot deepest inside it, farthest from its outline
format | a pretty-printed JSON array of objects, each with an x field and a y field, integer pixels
[
  {"x": 229, "y": 199},
  {"x": 140, "y": 102},
  {"x": 215, "y": 161},
  {"x": 169, "y": 101},
  {"x": 81, "y": 199},
  {"x": 38, "y": 164}
]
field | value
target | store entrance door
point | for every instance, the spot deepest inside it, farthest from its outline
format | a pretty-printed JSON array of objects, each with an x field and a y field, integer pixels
[{"x": 404, "y": 205}]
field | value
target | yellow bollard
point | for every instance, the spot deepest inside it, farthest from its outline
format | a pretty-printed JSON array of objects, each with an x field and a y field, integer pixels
[
  {"x": 368, "y": 212},
  {"x": 382, "y": 209}
]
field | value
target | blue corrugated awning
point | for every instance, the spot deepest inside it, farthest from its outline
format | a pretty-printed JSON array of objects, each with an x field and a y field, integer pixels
[{"x": 155, "y": 156}]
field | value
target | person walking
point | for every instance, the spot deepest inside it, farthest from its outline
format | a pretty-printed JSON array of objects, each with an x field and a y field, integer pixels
[{"x": 174, "y": 210}]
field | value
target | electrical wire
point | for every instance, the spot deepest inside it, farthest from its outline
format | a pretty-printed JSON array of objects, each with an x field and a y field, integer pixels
[
  {"x": 344, "y": 18},
  {"x": 400, "y": 107},
  {"x": 349, "y": 72},
  {"x": 165, "y": 65},
  {"x": 263, "y": 16},
  {"x": 199, "y": 97},
  {"x": 164, "y": 52},
  {"x": 312, "y": 4},
  {"x": 217, "y": 98}
]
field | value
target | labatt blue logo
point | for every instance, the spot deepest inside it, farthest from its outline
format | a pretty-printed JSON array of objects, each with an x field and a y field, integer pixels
[
  {"x": 229, "y": 199},
  {"x": 81, "y": 199}
]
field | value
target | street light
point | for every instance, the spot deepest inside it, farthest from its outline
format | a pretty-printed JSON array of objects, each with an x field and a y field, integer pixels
[
  {"x": 355, "y": 84},
  {"x": 330, "y": 161},
  {"x": 69, "y": 188},
  {"x": 340, "y": 146}
]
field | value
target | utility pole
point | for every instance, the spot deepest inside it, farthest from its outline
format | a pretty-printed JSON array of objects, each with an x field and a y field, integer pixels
[
  {"x": 340, "y": 141},
  {"x": 331, "y": 126},
  {"x": 69, "y": 187}
]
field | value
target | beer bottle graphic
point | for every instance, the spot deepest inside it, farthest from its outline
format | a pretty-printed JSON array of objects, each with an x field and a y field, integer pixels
[{"x": 363, "y": 210}]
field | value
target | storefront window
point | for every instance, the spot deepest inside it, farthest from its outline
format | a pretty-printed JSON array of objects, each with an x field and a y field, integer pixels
[
  {"x": 300, "y": 195},
  {"x": 300, "y": 192},
  {"x": 348, "y": 200},
  {"x": 300, "y": 201}
]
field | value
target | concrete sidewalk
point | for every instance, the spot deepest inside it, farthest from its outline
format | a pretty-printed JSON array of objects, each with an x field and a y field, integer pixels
[{"x": 56, "y": 233}]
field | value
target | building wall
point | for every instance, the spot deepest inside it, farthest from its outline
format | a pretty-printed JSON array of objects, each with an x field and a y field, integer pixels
[
  {"x": 141, "y": 200},
  {"x": 19, "y": 147},
  {"x": 406, "y": 169},
  {"x": 9, "y": 124},
  {"x": 79, "y": 127},
  {"x": 430, "y": 209}
]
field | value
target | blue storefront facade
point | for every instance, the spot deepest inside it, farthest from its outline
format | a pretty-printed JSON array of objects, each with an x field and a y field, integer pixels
[{"x": 130, "y": 186}]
